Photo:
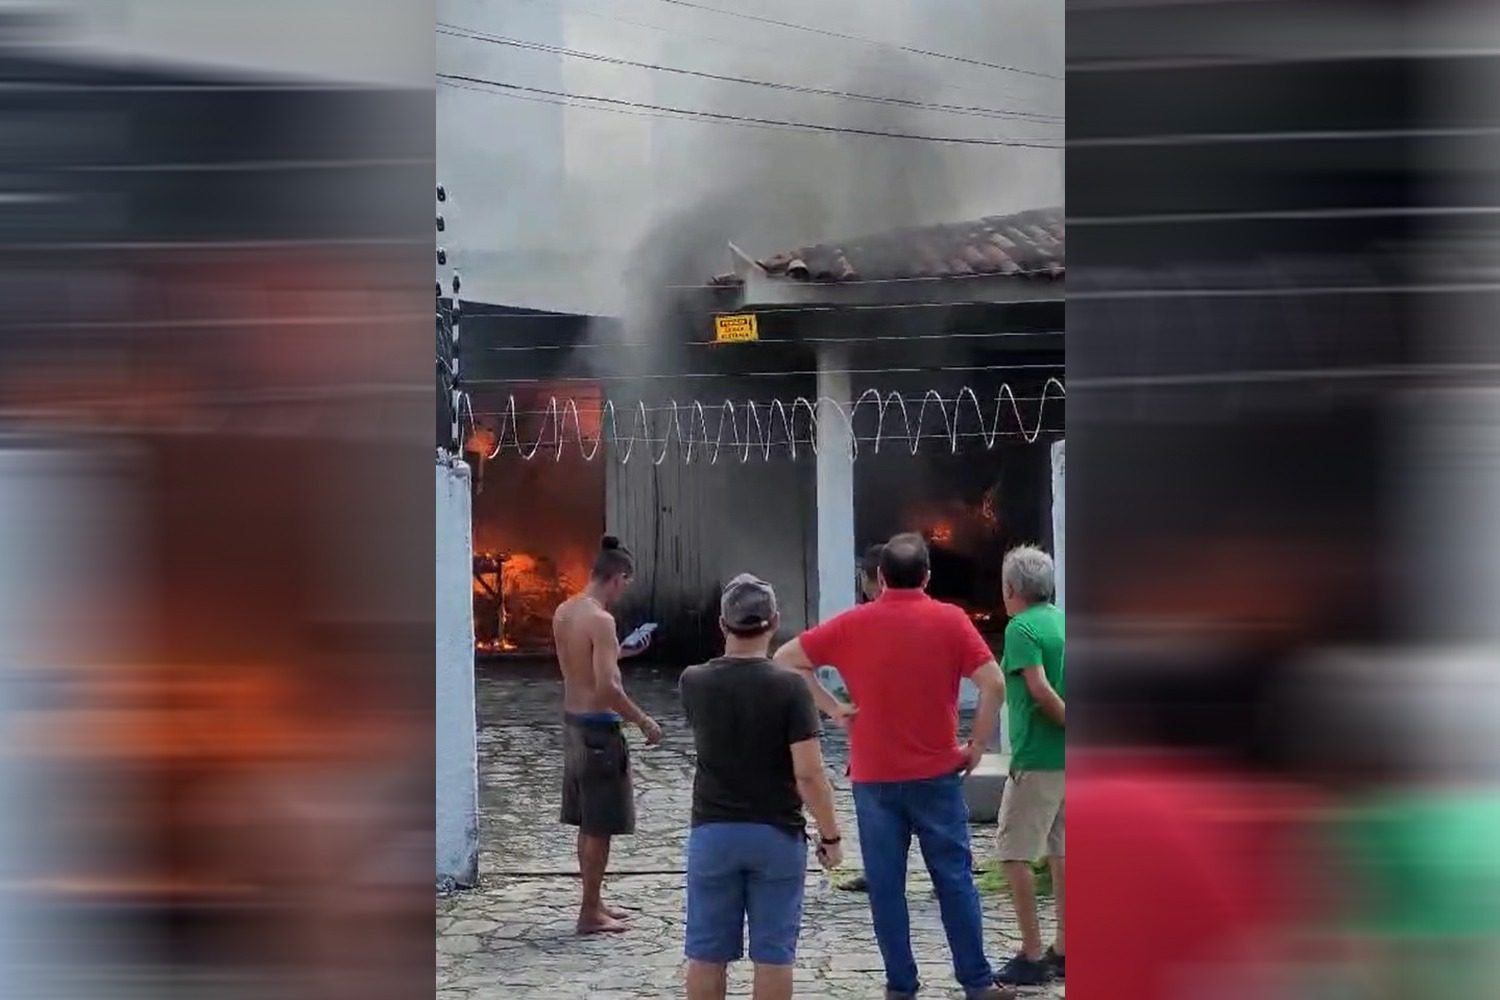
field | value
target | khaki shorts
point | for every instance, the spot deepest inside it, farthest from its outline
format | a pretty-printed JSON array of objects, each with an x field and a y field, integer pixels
[{"x": 1031, "y": 817}]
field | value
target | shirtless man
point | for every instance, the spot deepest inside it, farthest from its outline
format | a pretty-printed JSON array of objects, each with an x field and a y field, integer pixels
[{"x": 597, "y": 797}]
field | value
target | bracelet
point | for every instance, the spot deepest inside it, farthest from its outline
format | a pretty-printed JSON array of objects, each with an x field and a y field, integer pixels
[{"x": 829, "y": 841}]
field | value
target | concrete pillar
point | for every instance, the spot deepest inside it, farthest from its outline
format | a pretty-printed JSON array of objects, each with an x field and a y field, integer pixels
[
  {"x": 456, "y": 712},
  {"x": 837, "y": 563}
]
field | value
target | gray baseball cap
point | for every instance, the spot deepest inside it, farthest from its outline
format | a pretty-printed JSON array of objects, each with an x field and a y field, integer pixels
[{"x": 748, "y": 604}]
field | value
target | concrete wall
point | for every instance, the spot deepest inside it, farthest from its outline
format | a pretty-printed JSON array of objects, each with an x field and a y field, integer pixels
[{"x": 456, "y": 719}]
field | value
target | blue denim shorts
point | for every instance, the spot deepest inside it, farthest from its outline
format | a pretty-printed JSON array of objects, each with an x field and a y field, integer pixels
[{"x": 737, "y": 871}]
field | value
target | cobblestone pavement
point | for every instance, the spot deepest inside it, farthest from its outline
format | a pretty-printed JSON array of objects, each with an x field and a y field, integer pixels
[{"x": 513, "y": 936}]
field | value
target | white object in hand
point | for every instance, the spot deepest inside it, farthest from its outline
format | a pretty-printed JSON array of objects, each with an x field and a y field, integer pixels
[{"x": 639, "y": 636}]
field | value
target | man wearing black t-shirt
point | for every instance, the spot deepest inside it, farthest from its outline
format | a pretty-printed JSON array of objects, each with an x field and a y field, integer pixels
[{"x": 759, "y": 761}]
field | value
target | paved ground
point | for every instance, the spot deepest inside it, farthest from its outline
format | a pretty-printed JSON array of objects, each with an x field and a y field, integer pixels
[{"x": 512, "y": 937}]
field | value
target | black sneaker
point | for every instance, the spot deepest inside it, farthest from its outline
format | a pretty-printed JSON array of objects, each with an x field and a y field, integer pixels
[
  {"x": 1022, "y": 971},
  {"x": 1057, "y": 963}
]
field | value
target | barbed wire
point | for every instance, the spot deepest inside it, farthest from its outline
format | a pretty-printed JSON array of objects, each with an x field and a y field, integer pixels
[
  {"x": 595, "y": 407},
  {"x": 750, "y": 427}
]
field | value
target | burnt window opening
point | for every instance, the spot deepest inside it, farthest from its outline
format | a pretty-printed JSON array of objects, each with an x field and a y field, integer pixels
[{"x": 972, "y": 507}]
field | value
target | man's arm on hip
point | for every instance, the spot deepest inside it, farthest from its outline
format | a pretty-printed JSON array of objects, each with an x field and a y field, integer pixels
[{"x": 793, "y": 655}]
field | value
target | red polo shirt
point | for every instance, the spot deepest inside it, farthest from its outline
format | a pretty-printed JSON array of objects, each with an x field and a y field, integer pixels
[{"x": 902, "y": 657}]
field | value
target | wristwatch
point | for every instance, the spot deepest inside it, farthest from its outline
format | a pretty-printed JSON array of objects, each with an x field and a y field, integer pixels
[{"x": 829, "y": 841}]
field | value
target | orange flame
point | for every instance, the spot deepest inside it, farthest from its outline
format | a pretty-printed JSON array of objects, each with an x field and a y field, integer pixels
[{"x": 530, "y": 588}]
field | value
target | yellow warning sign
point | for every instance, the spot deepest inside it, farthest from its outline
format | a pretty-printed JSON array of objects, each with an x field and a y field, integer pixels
[{"x": 742, "y": 327}]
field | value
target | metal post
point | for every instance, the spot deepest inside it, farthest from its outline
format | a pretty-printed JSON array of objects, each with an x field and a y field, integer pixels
[
  {"x": 458, "y": 392},
  {"x": 455, "y": 313}
]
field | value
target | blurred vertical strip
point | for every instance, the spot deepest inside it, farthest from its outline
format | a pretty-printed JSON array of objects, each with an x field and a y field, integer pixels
[
  {"x": 215, "y": 451},
  {"x": 1285, "y": 456}
]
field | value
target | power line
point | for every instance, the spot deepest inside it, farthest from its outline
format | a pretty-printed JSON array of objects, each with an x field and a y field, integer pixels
[
  {"x": 890, "y": 338},
  {"x": 741, "y": 44},
  {"x": 805, "y": 309},
  {"x": 592, "y": 107},
  {"x": 1056, "y": 366},
  {"x": 862, "y": 41},
  {"x": 722, "y": 117},
  {"x": 782, "y": 53},
  {"x": 459, "y": 31}
]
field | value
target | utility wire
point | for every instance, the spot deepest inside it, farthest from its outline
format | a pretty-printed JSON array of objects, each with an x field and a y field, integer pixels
[
  {"x": 459, "y": 31},
  {"x": 646, "y": 376},
  {"x": 862, "y": 41},
  {"x": 590, "y": 107},
  {"x": 806, "y": 309},
  {"x": 888, "y": 338},
  {"x": 722, "y": 117},
  {"x": 741, "y": 44}
]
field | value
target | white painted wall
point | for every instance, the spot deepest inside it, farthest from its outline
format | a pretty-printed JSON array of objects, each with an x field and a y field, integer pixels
[
  {"x": 968, "y": 695},
  {"x": 456, "y": 718},
  {"x": 837, "y": 563}
]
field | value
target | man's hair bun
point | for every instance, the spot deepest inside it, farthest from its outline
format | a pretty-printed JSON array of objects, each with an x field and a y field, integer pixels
[{"x": 609, "y": 543}]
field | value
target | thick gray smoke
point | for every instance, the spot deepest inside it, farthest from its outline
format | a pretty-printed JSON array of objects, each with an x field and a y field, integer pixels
[{"x": 595, "y": 211}]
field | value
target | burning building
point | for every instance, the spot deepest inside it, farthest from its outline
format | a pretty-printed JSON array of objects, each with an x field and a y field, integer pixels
[
  {"x": 537, "y": 519},
  {"x": 720, "y": 441}
]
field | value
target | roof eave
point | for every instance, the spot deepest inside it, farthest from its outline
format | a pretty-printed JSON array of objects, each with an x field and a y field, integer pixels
[{"x": 760, "y": 289}]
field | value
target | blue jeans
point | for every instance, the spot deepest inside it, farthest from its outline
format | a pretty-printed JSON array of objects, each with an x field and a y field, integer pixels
[
  {"x": 740, "y": 870},
  {"x": 889, "y": 813}
]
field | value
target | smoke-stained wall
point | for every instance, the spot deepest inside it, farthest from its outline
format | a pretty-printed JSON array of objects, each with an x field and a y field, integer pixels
[{"x": 694, "y": 526}]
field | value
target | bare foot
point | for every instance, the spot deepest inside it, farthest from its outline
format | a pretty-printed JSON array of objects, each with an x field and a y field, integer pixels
[
  {"x": 615, "y": 912},
  {"x": 601, "y": 923}
]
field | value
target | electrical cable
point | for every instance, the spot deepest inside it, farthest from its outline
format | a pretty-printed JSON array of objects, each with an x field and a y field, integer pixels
[
  {"x": 862, "y": 41},
  {"x": 888, "y": 338},
  {"x": 695, "y": 114},
  {"x": 651, "y": 376},
  {"x": 741, "y": 43},
  {"x": 460, "y": 31}
]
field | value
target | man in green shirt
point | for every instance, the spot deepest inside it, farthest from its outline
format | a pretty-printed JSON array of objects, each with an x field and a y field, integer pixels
[{"x": 1031, "y": 813}]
